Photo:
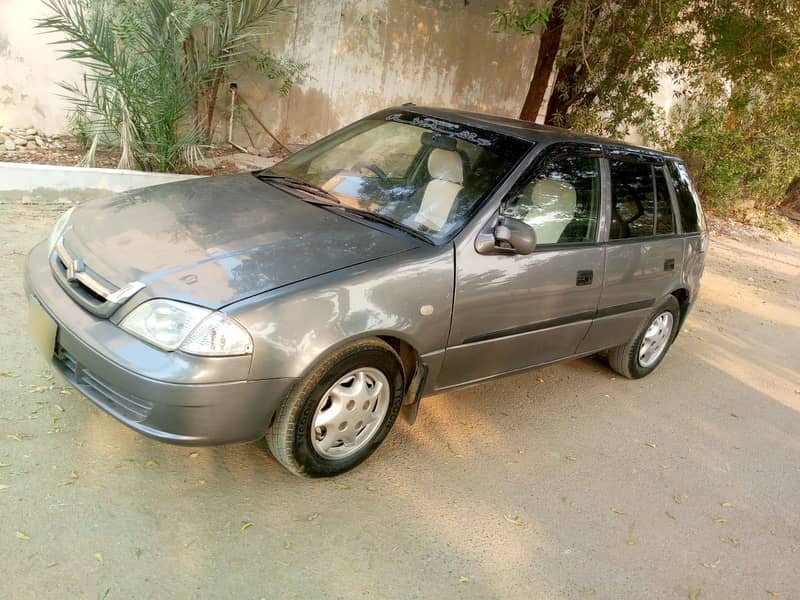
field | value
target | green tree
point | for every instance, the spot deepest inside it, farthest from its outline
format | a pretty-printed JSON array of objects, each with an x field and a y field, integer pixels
[{"x": 155, "y": 67}]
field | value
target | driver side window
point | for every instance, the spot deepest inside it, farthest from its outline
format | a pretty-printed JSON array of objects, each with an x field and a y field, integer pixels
[{"x": 561, "y": 202}]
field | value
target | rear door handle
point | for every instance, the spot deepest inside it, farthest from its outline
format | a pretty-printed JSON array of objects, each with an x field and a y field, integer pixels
[
  {"x": 584, "y": 278},
  {"x": 669, "y": 264}
]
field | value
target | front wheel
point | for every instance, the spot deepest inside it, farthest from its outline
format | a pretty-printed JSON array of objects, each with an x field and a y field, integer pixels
[
  {"x": 643, "y": 353},
  {"x": 340, "y": 412}
]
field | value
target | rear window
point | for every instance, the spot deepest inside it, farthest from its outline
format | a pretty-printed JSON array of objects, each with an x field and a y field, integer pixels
[
  {"x": 665, "y": 219},
  {"x": 632, "y": 199},
  {"x": 691, "y": 213}
]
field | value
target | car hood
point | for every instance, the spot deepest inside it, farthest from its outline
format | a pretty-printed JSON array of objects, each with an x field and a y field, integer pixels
[{"x": 217, "y": 240}]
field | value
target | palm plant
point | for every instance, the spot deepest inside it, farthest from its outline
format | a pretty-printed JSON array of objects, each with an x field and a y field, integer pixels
[{"x": 154, "y": 67}]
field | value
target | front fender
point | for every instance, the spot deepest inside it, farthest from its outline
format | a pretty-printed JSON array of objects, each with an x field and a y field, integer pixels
[{"x": 295, "y": 326}]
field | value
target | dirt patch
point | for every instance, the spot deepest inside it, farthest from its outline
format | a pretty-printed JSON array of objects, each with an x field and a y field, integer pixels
[{"x": 565, "y": 482}]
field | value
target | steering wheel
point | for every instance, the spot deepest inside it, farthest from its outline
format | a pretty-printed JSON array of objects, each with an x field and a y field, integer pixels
[{"x": 374, "y": 168}]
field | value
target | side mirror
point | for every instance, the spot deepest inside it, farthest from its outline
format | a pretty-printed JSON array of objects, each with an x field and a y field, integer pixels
[{"x": 509, "y": 236}]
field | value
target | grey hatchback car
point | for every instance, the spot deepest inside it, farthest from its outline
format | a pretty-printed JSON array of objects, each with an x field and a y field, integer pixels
[{"x": 414, "y": 251}]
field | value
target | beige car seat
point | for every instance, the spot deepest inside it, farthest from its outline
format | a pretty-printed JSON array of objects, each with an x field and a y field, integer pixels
[
  {"x": 447, "y": 177},
  {"x": 551, "y": 208}
]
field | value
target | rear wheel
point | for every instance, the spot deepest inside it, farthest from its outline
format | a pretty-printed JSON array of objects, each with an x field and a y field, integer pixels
[
  {"x": 340, "y": 413},
  {"x": 645, "y": 351}
]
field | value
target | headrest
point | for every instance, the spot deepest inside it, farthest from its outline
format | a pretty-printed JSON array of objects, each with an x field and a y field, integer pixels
[
  {"x": 554, "y": 194},
  {"x": 446, "y": 165}
]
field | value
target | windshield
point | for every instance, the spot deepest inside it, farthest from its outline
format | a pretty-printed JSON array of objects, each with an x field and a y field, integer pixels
[{"x": 424, "y": 174}]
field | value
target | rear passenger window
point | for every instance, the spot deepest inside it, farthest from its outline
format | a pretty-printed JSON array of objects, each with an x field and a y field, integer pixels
[
  {"x": 632, "y": 200},
  {"x": 665, "y": 219},
  {"x": 691, "y": 213}
]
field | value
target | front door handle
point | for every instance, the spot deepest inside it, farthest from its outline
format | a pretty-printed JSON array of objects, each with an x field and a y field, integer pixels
[
  {"x": 669, "y": 264},
  {"x": 584, "y": 278}
]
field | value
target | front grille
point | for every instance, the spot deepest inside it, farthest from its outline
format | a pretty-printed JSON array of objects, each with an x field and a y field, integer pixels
[{"x": 128, "y": 407}]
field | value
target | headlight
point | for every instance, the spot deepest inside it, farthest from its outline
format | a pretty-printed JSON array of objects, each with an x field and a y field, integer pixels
[
  {"x": 58, "y": 229},
  {"x": 171, "y": 325}
]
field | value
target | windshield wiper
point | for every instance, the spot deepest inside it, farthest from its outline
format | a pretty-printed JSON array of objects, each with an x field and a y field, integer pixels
[
  {"x": 378, "y": 218},
  {"x": 296, "y": 184}
]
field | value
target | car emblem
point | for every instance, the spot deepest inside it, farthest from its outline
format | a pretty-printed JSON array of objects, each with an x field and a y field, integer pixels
[{"x": 74, "y": 268}]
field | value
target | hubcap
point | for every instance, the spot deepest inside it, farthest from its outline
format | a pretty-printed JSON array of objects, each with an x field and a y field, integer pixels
[
  {"x": 350, "y": 413},
  {"x": 655, "y": 339}
]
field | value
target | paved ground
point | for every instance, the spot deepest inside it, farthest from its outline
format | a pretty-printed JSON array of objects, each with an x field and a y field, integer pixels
[{"x": 565, "y": 482}]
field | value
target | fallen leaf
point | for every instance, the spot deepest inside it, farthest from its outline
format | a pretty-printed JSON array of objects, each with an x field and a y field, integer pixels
[
  {"x": 202, "y": 481},
  {"x": 287, "y": 544},
  {"x": 341, "y": 486},
  {"x": 3, "y": 487},
  {"x": 617, "y": 511},
  {"x": 463, "y": 579},
  {"x": 99, "y": 558},
  {"x": 73, "y": 475},
  {"x": 540, "y": 380},
  {"x": 312, "y": 517},
  {"x": 568, "y": 502},
  {"x": 712, "y": 565},
  {"x": 283, "y": 563},
  {"x": 65, "y": 392},
  {"x": 773, "y": 594},
  {"x": 726, "y": 504},
  {"x": 678, "y": 498},
  {"x": 735, "y": 416},
  {"x": 651, "y": 444},
  {"x": 18, "y": 437},
  {"x": 151, "y": 463},
  {"x": 514, "y": 520},
  {"x": 569, "y": 457},
  {"x": 51, "y": 565},
  {"x": 246, "y": 526},
  {"x": 730, "y": 540},
  {"x": 7, "y": 374},
  {"x": 669, "y": 514},
  {"x": 371, "y": 488},
  {"x": 631, "y": 541},
  {"x": 21, "y": 536},
  {"x": 694, "y": 594},
  {"x": 5, "y": 464},
  {"x": 720, "y": 520},
  {"x": 194, "y": 454},
  {"x": 65, "y": 483},
  {"x": 59, "y": 407}
]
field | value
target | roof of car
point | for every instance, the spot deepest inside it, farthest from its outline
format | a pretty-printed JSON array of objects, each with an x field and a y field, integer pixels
[{"x": 522, "y": 129}]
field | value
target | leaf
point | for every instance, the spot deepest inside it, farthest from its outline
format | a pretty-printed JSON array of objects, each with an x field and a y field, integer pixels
[
  {"x": 194, "y": 454},
  {"x": 730, "y": 540},
  {"x": 73, "y": 475},
  {"x": 312, "y": 517},
  {"x": 712, "y": 565},
  {"x": 287, "y": 544},
  {"x": 735, "y": 416},
  {"x": 720, "y": 520},
  {"x": 99, "y": 558},
  {"x": 59, "y": 407},
  {"x": 341, "y": 486},
  {"x": 21, "y": 536},
  {"x": 617, "y": 511},
  {"x": 669, "y": 514},
  {"x": 65, "y": 392},
  {"x": 3, "y": 486},
  {"x": 283, "y": 563},
  {"x": 247, "y": 525},
  {"x": 371, "y": 488},
  {"x": 726, "y": 504},
  {"x": 678, "y": 498},
  {"x": 514, "y": 520},
  {"x": 151, "y": 463},
  {"x": 569, "y": 457},
  {"x": 18, "y": 437},
  {"x": 694, "y": 594},
  {"x": 463, "y": 579},
  {"x": 8, "y": 374},
  {"x": 651, "y": 444},
  {"x": 5, "y": 464},
  {"x": 773, "y": 594}
]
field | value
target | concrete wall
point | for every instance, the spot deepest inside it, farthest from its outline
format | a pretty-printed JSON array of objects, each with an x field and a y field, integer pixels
[
  {"x": 363, "y": 55},
  {"x": 29, "y": 71}
]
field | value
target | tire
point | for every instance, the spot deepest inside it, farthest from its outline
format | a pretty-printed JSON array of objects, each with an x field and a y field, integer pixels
[
  {"x": 627, "y": 360},
  {"x": 343, "y": 383}
]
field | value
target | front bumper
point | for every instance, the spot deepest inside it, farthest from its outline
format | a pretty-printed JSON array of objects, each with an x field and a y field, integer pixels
[{"x": 189, "y": 405}]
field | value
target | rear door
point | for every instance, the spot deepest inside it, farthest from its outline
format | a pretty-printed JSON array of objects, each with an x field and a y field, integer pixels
[{"x": 644, "y": 250}]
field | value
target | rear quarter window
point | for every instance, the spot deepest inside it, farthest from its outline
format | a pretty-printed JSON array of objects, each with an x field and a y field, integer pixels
[{"x": 691, "y": 215}]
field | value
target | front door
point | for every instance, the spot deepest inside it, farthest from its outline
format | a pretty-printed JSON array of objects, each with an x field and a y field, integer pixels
[{"x": 513, "y": 311}]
